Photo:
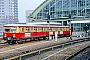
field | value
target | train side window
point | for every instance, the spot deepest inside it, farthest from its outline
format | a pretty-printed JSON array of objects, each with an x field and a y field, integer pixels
[
  {"x": 40, "y": 29},
  {"x": 43, "y": 29},
  {"x": 64, "y": 29},
  {"x": 51, "y": 29},
  {"x": 60, "y": 29},
  {"x": 27, "y": 30},
  {"x": 67, "y": 29},
  {"x": 46, "y": 29},
  {"x": 56, "y": 29},
  {"x": 7, "y": 30},
  {"x": 35, "y": 29},
  {"x": 22, "y": 29},
  {"x": 32, "y": 29}
]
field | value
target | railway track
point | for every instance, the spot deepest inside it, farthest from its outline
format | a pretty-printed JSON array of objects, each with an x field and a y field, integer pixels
[
  {"x": 88, "y": 58},
  {"x": 57, "y": 54},
  {"x": 40, "y": 50},
  {"x": 4, "y": 45},
  {"x": 81, "y": 54}
]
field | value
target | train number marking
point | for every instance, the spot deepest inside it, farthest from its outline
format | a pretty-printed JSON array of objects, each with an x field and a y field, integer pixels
[{"x": 27, "y": 34}]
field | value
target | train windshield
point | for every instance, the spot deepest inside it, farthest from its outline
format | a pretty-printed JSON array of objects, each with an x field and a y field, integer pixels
[
  {"x": 13, "y": 29},
  {"x": 10, "y": 30},
  {"x": 7, "y": 30}
]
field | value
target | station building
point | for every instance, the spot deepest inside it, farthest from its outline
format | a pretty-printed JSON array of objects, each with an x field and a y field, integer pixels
[{"x": 64, "y": 11}]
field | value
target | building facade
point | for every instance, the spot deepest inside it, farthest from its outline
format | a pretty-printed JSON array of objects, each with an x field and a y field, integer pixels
[
  {"x": 28, "y": 12},
  {"x": 59, "y": 11},
  {"x": 8, "y": 12}
]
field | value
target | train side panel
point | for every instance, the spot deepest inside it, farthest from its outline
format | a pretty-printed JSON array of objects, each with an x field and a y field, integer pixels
[
  {"x": 25, "y": 32},
  {"x": 13, "y": 35}
]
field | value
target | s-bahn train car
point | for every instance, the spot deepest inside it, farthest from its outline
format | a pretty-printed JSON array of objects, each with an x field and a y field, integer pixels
[{"x": 21, "y": 32}]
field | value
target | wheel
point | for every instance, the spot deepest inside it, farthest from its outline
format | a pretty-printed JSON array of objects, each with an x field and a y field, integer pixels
[
  {"x": 9, "y": 40},
  {"x": 44, "y": 38}
]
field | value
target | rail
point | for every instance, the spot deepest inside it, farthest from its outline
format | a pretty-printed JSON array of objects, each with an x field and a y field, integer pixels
[
  {"x": 39, "y": 51},
  {"x": 88, "y": 58},
  {"x": 73, "y": 55}
]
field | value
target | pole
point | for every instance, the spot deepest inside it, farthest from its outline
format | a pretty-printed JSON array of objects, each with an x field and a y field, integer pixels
[
  {"x": 49, "y": 25},
  {"x": 49, "y": 21},
  {"x": 70, "y": 30},
  {"x": 70, "y": 26},
  {"x": 49, "y": 15}
]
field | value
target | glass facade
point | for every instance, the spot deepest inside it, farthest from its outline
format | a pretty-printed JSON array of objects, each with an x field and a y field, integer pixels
[
  {"x": 16, "y": 10},
  {"x": 59, "y": 11},
  {"x": 80, "y": 27}
]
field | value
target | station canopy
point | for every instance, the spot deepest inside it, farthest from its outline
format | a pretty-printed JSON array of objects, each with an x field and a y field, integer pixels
[{"x": 81, "y": 21}]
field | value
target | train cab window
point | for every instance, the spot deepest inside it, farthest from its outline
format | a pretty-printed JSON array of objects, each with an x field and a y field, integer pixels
[
  {"x": 7, "y": 30},
  {"x": 13, "y": 30}
]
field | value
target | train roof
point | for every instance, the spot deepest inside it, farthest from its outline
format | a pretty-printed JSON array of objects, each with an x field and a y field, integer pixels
[
  {"x": 81, "y": 21},
  {"x": 45, "y": 23},
  {"x": 14, "y": 25}
]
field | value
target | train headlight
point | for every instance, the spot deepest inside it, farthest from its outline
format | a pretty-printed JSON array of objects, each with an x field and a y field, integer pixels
[
  {"x": 13, "y": 35},
  {"x": 5, "y": 35}
]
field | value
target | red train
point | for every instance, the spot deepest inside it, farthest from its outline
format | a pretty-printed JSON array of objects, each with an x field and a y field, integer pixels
[{"x": 21, "y": 32}]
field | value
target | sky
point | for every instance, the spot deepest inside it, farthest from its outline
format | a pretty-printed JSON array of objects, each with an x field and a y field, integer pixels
[{"x": 24, "y": 5}]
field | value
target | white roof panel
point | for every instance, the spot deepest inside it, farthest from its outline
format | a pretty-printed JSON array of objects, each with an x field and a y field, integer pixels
[
  {"x": 45, "y": 23},
  {"x": 33, "y": 25}
]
